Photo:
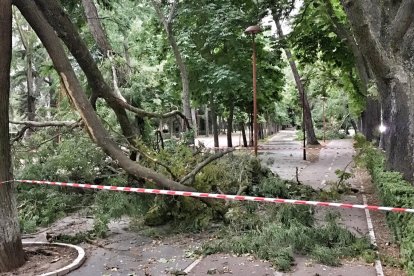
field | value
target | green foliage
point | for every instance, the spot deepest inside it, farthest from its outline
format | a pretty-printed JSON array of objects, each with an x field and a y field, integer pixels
[
  {"x": 76, "y": 238},
  {"x": 394, "y": 191},
  {"x": 320, "y": 40},
  {"x": 74, "y": 158},
  {"x": 276, "y": 233},
  {"x": 276, "y": 187},
  {"x": 279, "y": 232},
  {"x": 40, "y": 206}
]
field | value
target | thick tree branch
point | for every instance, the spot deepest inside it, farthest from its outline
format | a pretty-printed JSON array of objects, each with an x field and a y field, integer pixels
[
  {"x": 370, "y": 45},
  {"x": 307, "y": 115},
  {"x": 156, "y": 161},
  {"x": 143, "y": 113},
  {"x": 172, "y": 12},
  {"x": 96, "y": 27},
  {"x": 401, "y": 23},
  {"x": 189, "y": 178},
  {"x": 20, "y": 134},
  {"x": 48, "y": 123},
  {"x": 67, "y": 31}
]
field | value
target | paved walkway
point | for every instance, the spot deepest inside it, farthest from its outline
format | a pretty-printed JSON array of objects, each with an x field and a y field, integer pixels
[
  {"x": 286, "y": 156},
  {"x": 337, "y": 154}
]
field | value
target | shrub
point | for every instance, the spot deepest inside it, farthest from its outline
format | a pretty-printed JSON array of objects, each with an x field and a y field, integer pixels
[{"x": 394, "y": 191}]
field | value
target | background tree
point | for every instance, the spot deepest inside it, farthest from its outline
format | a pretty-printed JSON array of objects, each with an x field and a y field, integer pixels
[
  {"x": 280, "y": 10},
  {"x": 220, "y": 59},
  {"x": 167, "y": 22},
  {"x": 321, "y": 32}
]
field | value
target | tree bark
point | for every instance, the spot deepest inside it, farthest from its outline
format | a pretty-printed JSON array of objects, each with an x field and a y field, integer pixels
[
  {"x": 392, "y": 63},
  {"x": 310, "y": 131},
  {"x": 371, "y": 119},
  {"x": 96, "y": 27},
  {"x": 76, "y": 94},
  {"x": 11, "y": 249}
]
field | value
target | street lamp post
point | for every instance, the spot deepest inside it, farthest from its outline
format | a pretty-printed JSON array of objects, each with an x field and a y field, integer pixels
[{"x": 253, "y": 30}]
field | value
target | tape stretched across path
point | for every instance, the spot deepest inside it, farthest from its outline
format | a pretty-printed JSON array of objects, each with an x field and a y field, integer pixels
[
  {"x": 271, "y": 148},
  {"x": 219, "y": 196}
]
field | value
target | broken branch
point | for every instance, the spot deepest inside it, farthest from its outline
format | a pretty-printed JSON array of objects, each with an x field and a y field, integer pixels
[{"x": 190, "y": 177}]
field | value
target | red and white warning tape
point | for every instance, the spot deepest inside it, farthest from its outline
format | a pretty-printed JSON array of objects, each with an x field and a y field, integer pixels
[
  {"x": 262, "y": 148},
  {"x": 220, "y": 196}
]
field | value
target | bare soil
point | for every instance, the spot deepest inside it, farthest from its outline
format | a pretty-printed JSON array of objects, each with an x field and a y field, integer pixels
[{"x": 44, "y": 258}]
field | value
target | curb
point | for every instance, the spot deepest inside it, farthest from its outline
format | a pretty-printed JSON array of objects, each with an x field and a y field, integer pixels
[{"x": 70, "y": 267}]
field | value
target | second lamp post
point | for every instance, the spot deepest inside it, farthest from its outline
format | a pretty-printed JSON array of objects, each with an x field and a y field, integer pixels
[{"x": 253, "y": 30}]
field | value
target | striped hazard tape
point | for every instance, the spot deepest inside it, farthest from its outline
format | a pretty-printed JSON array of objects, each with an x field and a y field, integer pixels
[
  {"x": 219, "y": 196},
  {"x": 262, "y": 148}
]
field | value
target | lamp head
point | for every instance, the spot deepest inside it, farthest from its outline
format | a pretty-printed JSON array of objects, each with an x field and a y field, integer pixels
[{"x": 253, "y": 29}]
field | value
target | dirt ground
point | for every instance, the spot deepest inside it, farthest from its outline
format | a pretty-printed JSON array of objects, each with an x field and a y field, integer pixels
[{"x": 44, "y": 258}]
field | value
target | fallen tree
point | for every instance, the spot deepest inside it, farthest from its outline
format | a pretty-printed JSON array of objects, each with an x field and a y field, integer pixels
[{"x": 36, "y": 14}]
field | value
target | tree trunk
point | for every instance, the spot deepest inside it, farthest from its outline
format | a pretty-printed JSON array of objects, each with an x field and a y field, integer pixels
[
  {"x": 194, "y": 120},
  {"x": 354, "y": 125},
  {"x": 101, "y": 38},
  {"x": 230, "y": 124},
  {"x": 167, "y": 23},
  {"x": 214, "y": 121},
  {"x": 30, "y": 102},
  {"x": 206, "y": 120},
  {"x": 30, "y": 98},
  {"x": 243, "y": 130},
  {"x": 310, "y": 131},
  {"x": 11, "y": 249},
  {"x": 371, "y": 119},
  {"x": 385, "y": 35},
  {"x": 96, "y": 27}
]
